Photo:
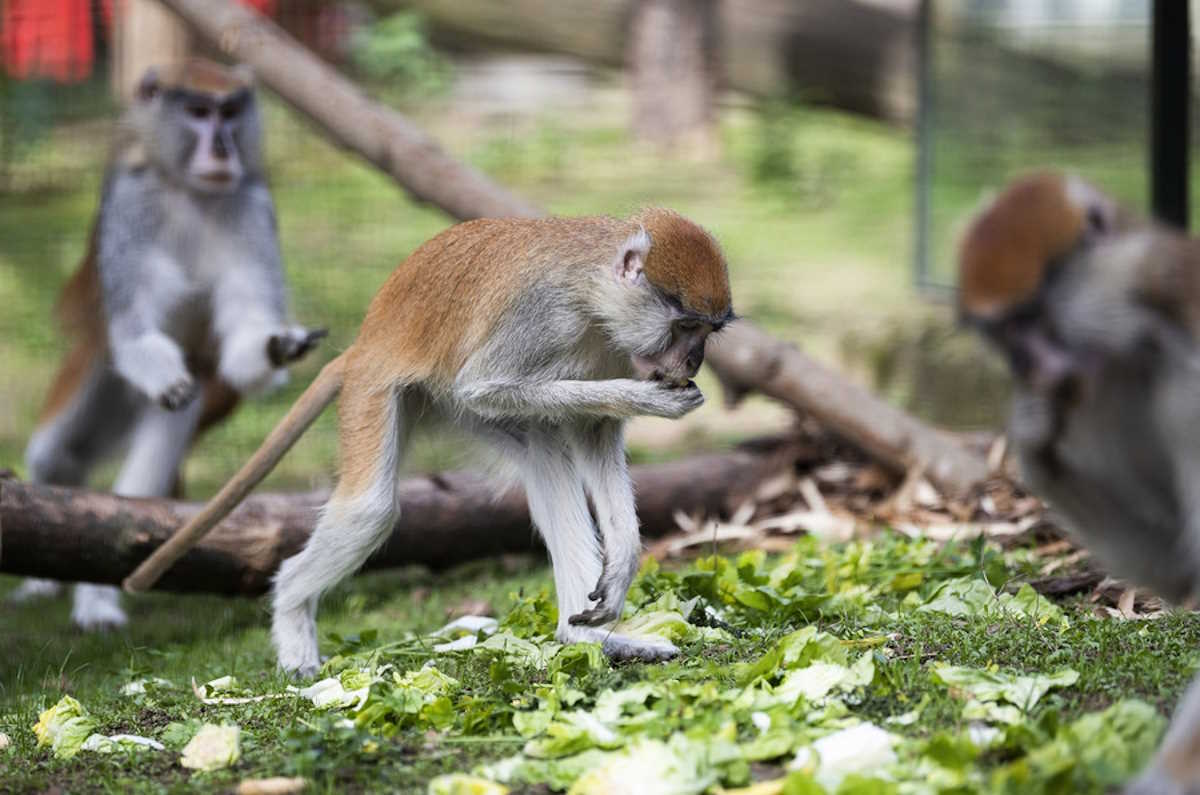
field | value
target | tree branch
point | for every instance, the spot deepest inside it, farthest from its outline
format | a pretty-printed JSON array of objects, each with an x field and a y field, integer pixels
[{"x": 746, "y": 358}]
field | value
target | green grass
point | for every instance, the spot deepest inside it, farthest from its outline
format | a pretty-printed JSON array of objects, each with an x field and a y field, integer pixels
[{"x": 201, "y": 638}]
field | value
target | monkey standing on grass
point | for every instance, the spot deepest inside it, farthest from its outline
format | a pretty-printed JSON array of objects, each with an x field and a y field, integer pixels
[
  {"x": 1100, "y": 318},
  {"x": 540, "y": 336},
  {"x": 178, "y": 306}
]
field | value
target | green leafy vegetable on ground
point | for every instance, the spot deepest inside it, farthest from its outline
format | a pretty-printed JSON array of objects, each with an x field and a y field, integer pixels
[{"x": 825, "y": 669}]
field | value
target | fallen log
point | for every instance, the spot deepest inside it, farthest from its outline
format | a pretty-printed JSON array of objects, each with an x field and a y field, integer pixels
[
  {"x": 746, "y": 359},
  {"x": 77, "y": 535}
]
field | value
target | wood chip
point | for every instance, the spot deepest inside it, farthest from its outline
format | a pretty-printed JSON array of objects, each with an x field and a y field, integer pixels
[
  {"x": 812, "y": 496},
  {"x": 687, "y": 524},
  {"x": 779, "y": 486},
  {"x": 744, "y": 513},
  {"x": 996, "y": 453},
  {"x": 1125, "y": 604}
]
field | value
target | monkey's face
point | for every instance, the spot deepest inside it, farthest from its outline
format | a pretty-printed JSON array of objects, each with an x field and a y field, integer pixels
[
  {"x": 1025, "y": 243},
  {"x": 679, "y": 292},
  {"x": 680, "y": 360},
  {"x": 671, "y": 292},
  {"x": 205, "y": 134}
]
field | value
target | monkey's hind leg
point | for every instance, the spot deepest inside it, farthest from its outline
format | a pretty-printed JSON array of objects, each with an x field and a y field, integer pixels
[
  {"x": 85, "y": 416},
  {"x": 357, "y": 519},
  {"x": 158, "y": 445},
  {"x": 558, "y": 506},
  {"x": 599, "y": 449}
]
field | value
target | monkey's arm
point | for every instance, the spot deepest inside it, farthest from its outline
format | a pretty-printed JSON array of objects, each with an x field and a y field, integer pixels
[
  {"x": 149, "y": 359},
  {"x": 135, "y": 283},
  {"x": 559, "y": 401},
  {"x": 250, "y": 306}
]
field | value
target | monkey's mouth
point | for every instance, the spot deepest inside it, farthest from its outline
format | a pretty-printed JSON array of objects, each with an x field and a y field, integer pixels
[
  {"x": 217, "y": 179},
  {"x": 648, "y": 369}
]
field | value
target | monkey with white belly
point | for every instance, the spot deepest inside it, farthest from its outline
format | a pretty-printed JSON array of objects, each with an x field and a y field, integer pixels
[{"x": 178, "y": 307}]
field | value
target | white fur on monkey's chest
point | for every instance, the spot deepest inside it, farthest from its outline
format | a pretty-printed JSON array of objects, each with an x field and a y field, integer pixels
[{"x": 192, "y": 257}]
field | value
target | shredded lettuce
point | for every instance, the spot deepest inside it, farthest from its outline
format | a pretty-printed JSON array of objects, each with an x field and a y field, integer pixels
[{"x": 64, "y": 727}]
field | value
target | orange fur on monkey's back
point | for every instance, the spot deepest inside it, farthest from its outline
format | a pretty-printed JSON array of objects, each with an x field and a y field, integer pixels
[{"x": 441, "y": 304}]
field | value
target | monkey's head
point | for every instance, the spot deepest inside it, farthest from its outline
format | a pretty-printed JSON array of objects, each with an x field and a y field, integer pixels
[
  {"x": 1013, "y": 252},
  {"x": 197, "y": 122},
  {"x": 671, "y": 292}
]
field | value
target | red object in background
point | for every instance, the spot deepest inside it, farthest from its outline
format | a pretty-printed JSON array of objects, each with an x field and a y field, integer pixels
[
  {"x": 47, "y": 38},
  {"x": 53, "y": 38}
]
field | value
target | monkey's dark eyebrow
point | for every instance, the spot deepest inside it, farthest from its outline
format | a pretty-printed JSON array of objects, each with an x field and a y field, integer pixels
[
  {"x": 233, "y": 104},
  {"x": 723, "y": 320}
]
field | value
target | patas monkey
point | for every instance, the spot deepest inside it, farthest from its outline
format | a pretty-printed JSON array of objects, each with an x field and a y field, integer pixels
[
  {"x": 178, "y": 306},
  {"x": 540, "y": 336},
  {"x": 1097, "y": 313}
]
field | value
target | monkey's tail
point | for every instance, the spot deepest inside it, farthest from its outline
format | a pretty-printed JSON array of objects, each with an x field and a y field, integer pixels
[{"x": 320, "y": 393}]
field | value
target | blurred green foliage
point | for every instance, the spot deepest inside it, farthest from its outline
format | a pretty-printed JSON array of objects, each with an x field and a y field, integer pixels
[{"x": 396, "y": 50}]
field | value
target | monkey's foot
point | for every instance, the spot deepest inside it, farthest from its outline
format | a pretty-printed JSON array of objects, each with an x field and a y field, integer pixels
[
  {"x": 619, "y": 647},
  {"x": 97, "y": 608},
  {"x": 33, "y": 589},
  {"x": 295, "y": 636},
  {"x": 293, "y": 344}
]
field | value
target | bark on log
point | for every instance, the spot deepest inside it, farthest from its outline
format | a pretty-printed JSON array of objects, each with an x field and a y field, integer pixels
[
  {"x": 381, "y": 135},
  {"x": 851, "y": 55},
  {"x": 76, "y": 535},
  {"x": 746, "y": 358}
]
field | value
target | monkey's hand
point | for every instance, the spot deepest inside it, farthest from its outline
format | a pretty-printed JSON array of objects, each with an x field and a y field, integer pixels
[
  {"x": 672, "y": 402},
  {"x": 293, "y": 344},
  {"x": 178, "y": 394},
  {"x": 154, "y": 364}
]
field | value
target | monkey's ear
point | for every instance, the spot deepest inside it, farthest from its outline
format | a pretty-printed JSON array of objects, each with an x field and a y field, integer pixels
[
  {"x": 148, "y": 86},
  {"x": 631, "y": 264}
]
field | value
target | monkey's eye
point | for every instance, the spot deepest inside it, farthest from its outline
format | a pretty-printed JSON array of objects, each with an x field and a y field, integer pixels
[
  {"x": 229, "y": 111},
  {"x": 198, "y": 111},
  {"x": 688, "y": 325},
  {"x": 1096, "y": 219}
]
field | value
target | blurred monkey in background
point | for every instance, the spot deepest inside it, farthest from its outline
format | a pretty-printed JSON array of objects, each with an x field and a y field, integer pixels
[
  {"x": 178, "y": 307},
  {"x": 1098, "y": 314}
]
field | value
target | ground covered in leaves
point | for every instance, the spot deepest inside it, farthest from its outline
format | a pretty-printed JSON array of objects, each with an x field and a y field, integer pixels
[{"x": 877, "y": 665}]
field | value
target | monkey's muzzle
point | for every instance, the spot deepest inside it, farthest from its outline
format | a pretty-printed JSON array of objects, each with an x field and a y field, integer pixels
[{"x": 648, "y": 369}]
